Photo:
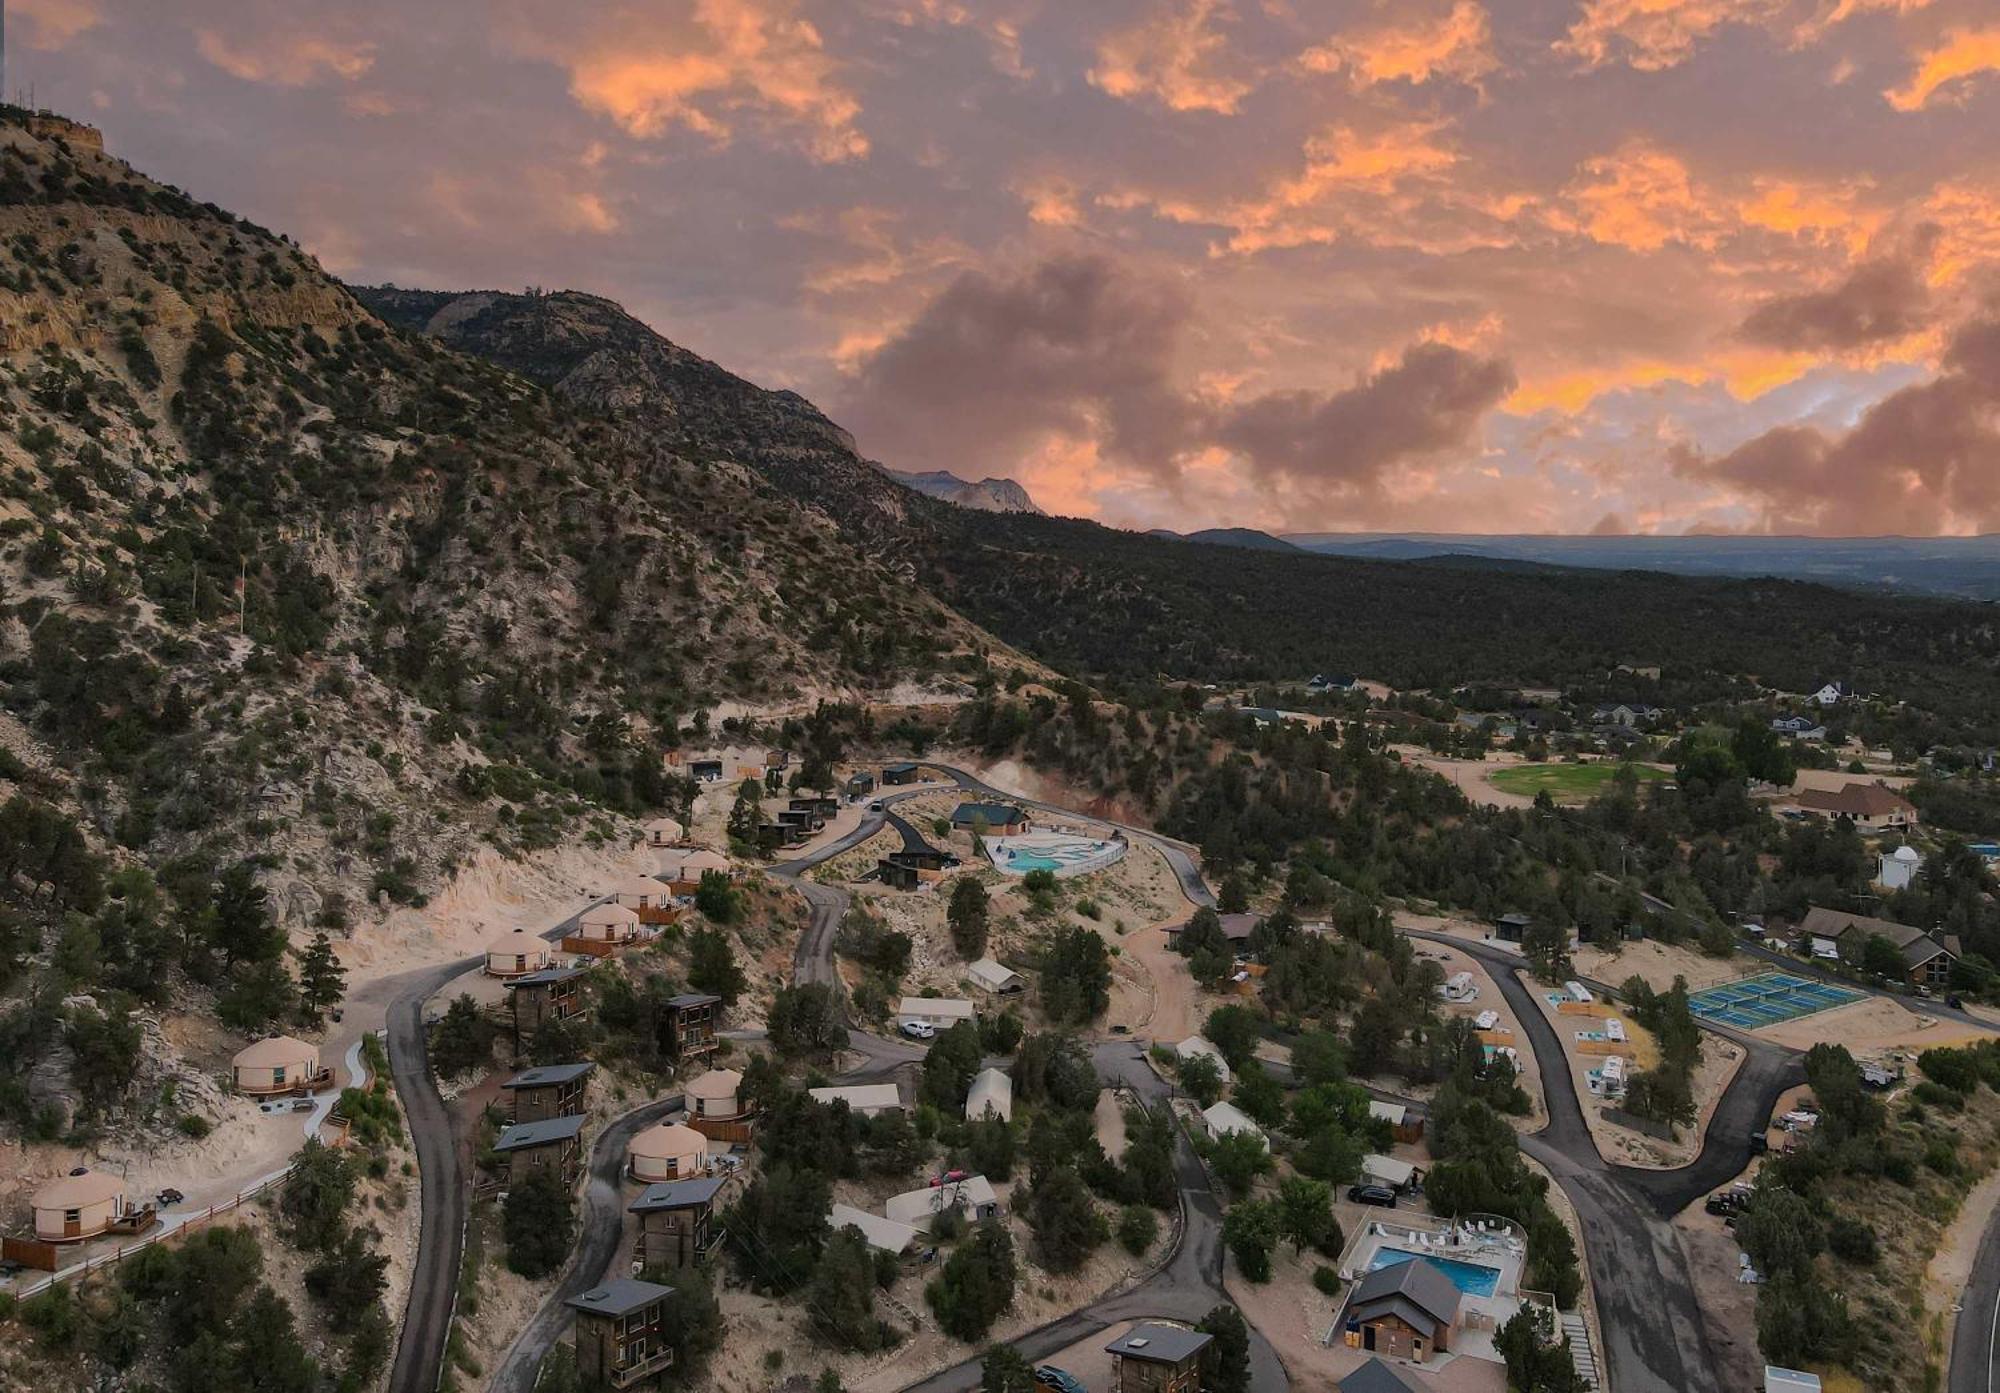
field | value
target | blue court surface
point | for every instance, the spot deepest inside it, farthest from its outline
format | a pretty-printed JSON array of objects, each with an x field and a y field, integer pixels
[{"x": 1766, "y": 999}]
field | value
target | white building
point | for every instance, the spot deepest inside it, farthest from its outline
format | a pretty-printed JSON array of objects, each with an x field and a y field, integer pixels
[
  {"x": 1460, "y": 986},
  {"x": 944, "y": 1012},
  {"x": 972, "y": 1195},
  {"x": 1224, "y": 1118},
  {"x": 1198, "y": 1044},
  {"x": 1607, "y": 1080},
  {"x": 1899, "y": 868},
  {"x": 991, "y": 976},
  {"x": 1391, "y": 1113},
  {"x": 866, "y": 1099},
  {"x": 1578, "y": 993},
  {"x": 884, "y": 1235},
  {"x": 1377, "y": 1169},
  {"x": 992, "y": 1093}
]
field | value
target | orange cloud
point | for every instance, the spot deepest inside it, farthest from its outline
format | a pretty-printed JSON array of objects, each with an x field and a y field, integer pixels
[
  {"x": 1748, "y": 373},
  {"x": 1642, "y": 198},
  {"x": 1964, "y": 53},
  {"x": 874, "y": 255},
  {"x": 1822, "y": 212},
  {"x": 1052, "y": 201},
  {"x": 1967, "y": 222},
  {"x": 53, "y": 23},
  {"x": 1654, "y": 34},
  {"x": 668, "y": 63},
  {"x": 285, "y": 60},
  {"x": 1174, "y": 58},
  {"x": 1456, "y": 45}
]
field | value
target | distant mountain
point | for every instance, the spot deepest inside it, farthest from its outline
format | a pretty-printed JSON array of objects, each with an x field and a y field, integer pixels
[
  {"x": 987, "y": 496},
  {"x": 1226, "y": 537},
  {"x": 1966, "y": 567}
]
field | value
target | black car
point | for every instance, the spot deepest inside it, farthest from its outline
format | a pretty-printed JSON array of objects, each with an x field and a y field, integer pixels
[
  {"x": 1058, "y": 1380},
  {"x": 1954, "y": 1003},
  {"x": 1372, "y": 1194}
]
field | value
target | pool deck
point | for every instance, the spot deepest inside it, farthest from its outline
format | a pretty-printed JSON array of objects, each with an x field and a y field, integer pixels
[
  {"x": 1480, "y": 1317},
  {"x": 1060, "y": 853}
]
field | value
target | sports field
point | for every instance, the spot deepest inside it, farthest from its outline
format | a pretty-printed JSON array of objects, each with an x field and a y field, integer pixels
[
  {"x": 1567, "y": 783},
  {"x": 1767, "y": 999}
]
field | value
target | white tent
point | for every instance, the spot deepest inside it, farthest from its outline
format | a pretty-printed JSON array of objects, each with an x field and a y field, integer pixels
[
  {"x": 1224, "y": 1118},
  {"x": 991, "y": 1092}
]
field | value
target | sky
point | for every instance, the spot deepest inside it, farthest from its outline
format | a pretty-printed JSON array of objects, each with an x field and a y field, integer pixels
[{"x": 1305, "y": 265}]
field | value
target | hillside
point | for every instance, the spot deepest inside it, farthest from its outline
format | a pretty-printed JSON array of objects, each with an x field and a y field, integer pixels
[
  {"x": 1106, "y": 603},
  {"x": 281, "y": 581},
  {"x": 987, "y": 495}
]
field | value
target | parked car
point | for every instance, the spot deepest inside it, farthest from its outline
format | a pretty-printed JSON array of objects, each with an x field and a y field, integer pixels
[
  {"x": 1954, "y": 1003},
  {"x": 877, "y": 807},
  {"x": 1372, "y": 1194},
  {"x": 1061, "y": 1380},
  {"x": 919, "y": 1030}
]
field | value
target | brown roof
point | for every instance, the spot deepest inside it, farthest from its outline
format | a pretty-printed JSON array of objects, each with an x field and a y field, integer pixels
[
  {"x": 1855, "y": 800},
  {"x": 1918, "y": 947}
]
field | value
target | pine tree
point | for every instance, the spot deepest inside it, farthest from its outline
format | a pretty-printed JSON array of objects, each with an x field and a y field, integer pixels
[{"x": 322, "y": 979}]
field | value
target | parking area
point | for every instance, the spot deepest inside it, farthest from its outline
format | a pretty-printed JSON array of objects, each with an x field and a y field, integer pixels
[{"x": 1767, "y": 999}]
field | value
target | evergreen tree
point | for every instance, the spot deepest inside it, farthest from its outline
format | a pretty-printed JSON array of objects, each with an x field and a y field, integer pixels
[
  {"x": 712, "y": 966},
  {"x": 539, "y": 1223},
  {"x": 967, "y": 916},
  {"x": 1064, "y": 1220},
  {"x": 977, "y": 1283},
  {"x": 1225, "y": 1362},
  {"x": 322, "y": 979}
]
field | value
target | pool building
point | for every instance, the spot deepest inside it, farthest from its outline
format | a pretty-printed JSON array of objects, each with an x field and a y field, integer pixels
[
  {"x": 1060, "y": 853},
  {"x": 1424, "y": 1292}
]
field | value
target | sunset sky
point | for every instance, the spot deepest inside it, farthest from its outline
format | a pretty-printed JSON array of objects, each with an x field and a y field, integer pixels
[{"x": 1454, "y": 265}]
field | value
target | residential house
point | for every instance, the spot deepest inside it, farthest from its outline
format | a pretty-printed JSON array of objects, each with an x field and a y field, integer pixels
[
  {"x": 549, "y": 1090},
  {"x": 1799, "y": 728},
  {"x": 553, "y": 994},
  {"x": 1832, "y": 694},
  {"x": 1202, "y": 1045},
  {"x": 622, "y": 1336},
  {"x": 1378, "y": 1377},
  {"x": 1223, "y": 1118},
  {"x": 991, "y": 1094},
  {"x": 1407, "y": 1310},
  {"x": 990, "y": 976},
  {"x": 666, "y": 1151},
  {"x": 279, "y": 1065},
  {"x": 998, "y": 819},
  {"x": 973, "y": 1196},
  {"x": 1927, "y": 959},
  {"x": 1237, "y": 928},
  {"x": 692, "y": 1018},
  {"x": 1629, "y": 714},
  {"x": 1156, "y": 1358},
  {"x": 901, "y": 773},
  {"x": 516, "y": 954},
  {"x": 84, "y": 1204},
  {"x": 1337, "y": 682},
  {"x": 942, "y": 1012},
  {"x": 554, "y": 1143},
  {"x": 883, "y": 1235},
  {"x": 677, "y": 1225},
  {"x": 1897, "y": 870},
  {"x": 1869, "y": 806},
  {"x": 863, "y": 1099}
]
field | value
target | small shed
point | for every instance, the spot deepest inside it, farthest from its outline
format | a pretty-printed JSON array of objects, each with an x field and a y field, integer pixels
[
  {"x": 992, "y": 1093},
  {"x": 1223, "y": 1118},
  {"x": 1387, "y": 1170},
  {"x": 883, "y": 1235},
  {"x": 989, "y": 975},
  {"x": 1202, "y": 1045},
  {"x": 903, "y": 772},
  {"x": 83, "y": 1204},
  {"x": 516, "y": 954},
  {"x": 280, "y": 1064},
  {"x": 667, "y": 1151}
]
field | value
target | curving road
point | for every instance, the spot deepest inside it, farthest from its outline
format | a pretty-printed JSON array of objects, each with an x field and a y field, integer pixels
[
  {"x": 1656, "y": 1341},
  {"x": 602, "y": 1227}
]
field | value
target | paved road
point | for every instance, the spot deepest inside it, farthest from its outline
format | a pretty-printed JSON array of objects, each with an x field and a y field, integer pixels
[
  {"x": 602, "y": 1228},
  {"x": 1975, "y": 1352},
  {"x": 442, "y": 1193},
  {"x": 1652, "y": 1324}
]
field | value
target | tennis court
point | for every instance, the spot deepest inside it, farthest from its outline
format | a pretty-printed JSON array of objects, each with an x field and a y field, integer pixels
[{"x": 1766, "y": 999}]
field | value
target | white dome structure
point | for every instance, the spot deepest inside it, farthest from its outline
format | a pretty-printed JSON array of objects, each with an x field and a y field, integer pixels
[{"x": 667, "y": 1151}]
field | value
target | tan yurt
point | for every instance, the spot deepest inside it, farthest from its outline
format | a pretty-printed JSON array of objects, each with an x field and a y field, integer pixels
[
  {"x": 664, "y": 831},
  {"x": 608, "y": 923},
  {"x": 277, "y": 1065},
  {"x": 689, "y": 865},
  {"x": 667, "y": 1151},
  {"x": 714, "y": 1094},
  {"x": 516, "y": 954},
  {"x": 81, "y": 1205},
  {"x": 637, "y": 892}
]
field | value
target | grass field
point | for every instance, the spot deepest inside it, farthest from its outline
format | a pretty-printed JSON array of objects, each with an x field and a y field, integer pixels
[{"x": 1566, "y": 783}]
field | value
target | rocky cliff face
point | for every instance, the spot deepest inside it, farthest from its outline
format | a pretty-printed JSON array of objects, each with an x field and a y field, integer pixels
[
  {"x": 281, "y": 580},
  {"x": 988, "y": 495}
]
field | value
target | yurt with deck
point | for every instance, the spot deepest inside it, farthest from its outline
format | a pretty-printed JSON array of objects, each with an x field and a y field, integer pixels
[
  {"x": 277, "y": 1065},
  {"x": 608, "y": 923},
  {"x": 663, "y": 832},
  {"x": 83, "y": 1204},
  {"x": 516, "y": 954},
  {"x": 667, "y": 1151}
]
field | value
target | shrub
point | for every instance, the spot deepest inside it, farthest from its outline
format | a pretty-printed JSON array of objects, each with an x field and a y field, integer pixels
[
  {"x": 1138, "y": 1226},
  {"x": 193, "y": 1125},
  {"x": 1853, "y": 1241},
  {"x": 1326, "y": 1280}
]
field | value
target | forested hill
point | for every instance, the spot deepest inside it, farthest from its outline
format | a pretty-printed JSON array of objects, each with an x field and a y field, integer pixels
[
  {"x": 280, "y": 579},
  {"x": 1097, "y": 601}
]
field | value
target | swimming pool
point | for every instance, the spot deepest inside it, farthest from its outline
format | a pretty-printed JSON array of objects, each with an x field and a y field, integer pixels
[
  {"x": 1057, "y": 852},
  {"x": 1472, "y": 1278}
]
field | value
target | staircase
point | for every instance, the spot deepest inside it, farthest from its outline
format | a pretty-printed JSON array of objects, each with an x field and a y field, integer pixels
[{"x": 1580, "y": 1353}]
